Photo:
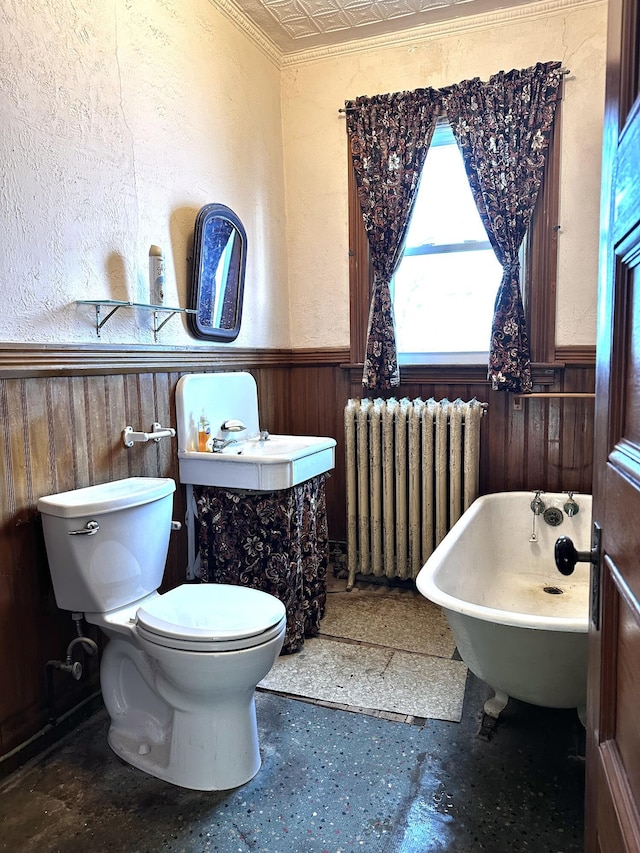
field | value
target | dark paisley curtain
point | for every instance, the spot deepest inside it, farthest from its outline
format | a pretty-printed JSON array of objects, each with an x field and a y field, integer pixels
[
  {"x": 502, "y": 128},
  {"x": 389, "y": 136}
]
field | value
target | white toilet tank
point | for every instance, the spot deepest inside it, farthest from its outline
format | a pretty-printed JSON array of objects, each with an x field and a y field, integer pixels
[{"x": 119, "y": 561}]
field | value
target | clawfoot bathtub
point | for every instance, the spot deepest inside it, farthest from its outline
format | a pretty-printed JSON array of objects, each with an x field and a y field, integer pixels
[{"x": 519, "y": 624}]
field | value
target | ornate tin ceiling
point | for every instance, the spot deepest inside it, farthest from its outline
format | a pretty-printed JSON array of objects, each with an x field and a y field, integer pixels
[{"x": 297, "y": 25}]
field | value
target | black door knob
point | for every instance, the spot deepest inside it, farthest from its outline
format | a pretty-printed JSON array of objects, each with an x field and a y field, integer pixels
[{"x": 567, "y": 556}]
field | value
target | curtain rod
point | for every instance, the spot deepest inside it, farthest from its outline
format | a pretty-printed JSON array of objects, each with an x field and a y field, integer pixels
[{"x": 564, "y": 71}]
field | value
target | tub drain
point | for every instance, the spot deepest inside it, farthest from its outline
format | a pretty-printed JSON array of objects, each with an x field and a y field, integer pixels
[{"x": 553, "y": 590}]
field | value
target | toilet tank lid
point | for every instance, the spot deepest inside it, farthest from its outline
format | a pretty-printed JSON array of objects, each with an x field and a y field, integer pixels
[{"x": 106, "y": 497}]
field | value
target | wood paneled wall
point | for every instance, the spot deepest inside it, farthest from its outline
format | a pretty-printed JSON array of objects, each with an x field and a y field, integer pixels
[{"x": 63, "y": 411}]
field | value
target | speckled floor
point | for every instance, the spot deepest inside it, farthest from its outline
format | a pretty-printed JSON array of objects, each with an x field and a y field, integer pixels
[{"x": 332, "y": 781}]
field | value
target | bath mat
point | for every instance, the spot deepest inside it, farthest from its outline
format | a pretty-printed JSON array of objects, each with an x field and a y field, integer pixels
[
  {"x": 403, "y": 620},
  {"x": 369, "y": 677}
]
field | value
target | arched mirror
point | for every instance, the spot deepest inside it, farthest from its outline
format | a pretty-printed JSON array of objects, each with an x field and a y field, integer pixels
[{"x": 217, "y": 280}]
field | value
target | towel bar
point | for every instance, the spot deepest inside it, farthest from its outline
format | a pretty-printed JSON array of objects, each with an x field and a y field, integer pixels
[{"x": 129, "y": 435}]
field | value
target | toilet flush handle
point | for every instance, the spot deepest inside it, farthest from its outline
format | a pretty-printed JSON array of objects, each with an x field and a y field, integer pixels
[{"x": 90, "y": 528}]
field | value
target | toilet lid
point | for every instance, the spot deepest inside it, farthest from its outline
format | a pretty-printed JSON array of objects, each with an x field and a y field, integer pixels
[{"x": 206, "y": 613}]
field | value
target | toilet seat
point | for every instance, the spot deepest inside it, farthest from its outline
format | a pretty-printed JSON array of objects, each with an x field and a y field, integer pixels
[{"x": 211, "y": 618}]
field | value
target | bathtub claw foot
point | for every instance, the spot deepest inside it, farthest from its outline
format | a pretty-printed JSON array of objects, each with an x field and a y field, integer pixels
[
  {"x": 493, "y": 707},
  {"x": 492, "y": 710},
  {"x": 487, "y": 727}
]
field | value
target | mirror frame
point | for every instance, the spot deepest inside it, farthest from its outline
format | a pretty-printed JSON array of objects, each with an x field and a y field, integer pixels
[{"x": 205, "y": 219}]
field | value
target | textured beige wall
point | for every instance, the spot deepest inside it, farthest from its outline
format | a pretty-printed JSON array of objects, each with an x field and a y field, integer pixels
[
  {"x": 119, "y": 121},
  {"x": 315, "y": 150}
]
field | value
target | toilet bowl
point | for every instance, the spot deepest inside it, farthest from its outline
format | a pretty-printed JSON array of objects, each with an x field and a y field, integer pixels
[{"x": 179, "y": 672}]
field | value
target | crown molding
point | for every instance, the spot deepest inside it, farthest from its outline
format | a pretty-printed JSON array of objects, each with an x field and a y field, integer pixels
[{"x": 242, "y": 22}]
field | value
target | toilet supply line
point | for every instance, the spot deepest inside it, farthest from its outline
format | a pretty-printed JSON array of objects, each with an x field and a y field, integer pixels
[
  {"x": 71, "y": 666},
  {"x": 75, "y": 668}
]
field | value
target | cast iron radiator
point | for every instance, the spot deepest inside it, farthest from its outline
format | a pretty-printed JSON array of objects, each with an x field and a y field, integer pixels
[{"x": 412, "y": 470}]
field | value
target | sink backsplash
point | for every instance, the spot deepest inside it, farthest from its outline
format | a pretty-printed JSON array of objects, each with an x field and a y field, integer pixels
[{"x": 218, "y": 397}]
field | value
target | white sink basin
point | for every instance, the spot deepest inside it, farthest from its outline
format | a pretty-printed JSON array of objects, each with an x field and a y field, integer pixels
[{"x": 278, "y": 462}]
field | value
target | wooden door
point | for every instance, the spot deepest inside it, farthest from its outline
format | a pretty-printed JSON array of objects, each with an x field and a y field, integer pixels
[{"x": 612, "y": 818}]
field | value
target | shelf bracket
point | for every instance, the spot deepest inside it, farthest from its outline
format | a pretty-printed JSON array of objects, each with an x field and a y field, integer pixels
[
  {"x": 157, "y": 327},
  {"x": 100, "y": 323}
]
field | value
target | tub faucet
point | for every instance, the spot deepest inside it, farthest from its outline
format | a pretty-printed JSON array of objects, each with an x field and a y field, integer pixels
[
  {"x": 537, "y": 504},
  {"x": 571, "y": 507}
]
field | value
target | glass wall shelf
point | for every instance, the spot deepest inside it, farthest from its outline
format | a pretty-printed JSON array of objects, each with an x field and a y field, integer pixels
[{"x": 113, "y": 305}]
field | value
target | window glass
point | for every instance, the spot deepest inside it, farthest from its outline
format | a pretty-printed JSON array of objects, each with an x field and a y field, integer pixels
[{"x": 445, "y": 287}]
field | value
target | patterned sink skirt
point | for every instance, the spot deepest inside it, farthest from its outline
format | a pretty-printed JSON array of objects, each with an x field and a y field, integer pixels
[{"x": 274, "y": 541}]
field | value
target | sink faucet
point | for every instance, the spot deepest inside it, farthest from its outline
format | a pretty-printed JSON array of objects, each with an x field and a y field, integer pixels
[
  {"x": 537, "y": 504},
  {"x": 219, "y": 444}
]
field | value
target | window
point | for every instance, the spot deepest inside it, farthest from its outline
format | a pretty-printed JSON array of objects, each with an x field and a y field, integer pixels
[{"x": 430, "y": 248}]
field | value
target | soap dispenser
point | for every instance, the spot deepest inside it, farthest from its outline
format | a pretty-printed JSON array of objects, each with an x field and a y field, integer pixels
[{"x": 204, "y": 432}]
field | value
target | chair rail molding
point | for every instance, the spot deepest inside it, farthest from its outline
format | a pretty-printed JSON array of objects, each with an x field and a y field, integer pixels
[{"x": 17, "y": 360}]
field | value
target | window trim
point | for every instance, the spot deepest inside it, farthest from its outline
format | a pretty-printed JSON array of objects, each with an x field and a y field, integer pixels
[{"x": 541, "y": 265}]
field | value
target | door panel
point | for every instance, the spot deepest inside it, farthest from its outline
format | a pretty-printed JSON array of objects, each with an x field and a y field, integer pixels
[
  {"x": 622, "y": 526},
  {"x": 632, "y": 414},
  {"x": 611, "y": 811},
  {"x": 627, "y": 735}
]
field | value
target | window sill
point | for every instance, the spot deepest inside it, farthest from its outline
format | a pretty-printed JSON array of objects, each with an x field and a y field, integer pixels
[
  {"x": 458, "y": 374},
  {"x": 468, "y": 359}
]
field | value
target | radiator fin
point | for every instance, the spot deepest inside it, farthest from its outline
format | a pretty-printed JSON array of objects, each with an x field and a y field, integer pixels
[{"x": 412, "y": 470}]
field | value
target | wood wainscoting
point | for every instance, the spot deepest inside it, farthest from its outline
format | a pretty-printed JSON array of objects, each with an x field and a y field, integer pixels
[{"x": 63, "y": 410}]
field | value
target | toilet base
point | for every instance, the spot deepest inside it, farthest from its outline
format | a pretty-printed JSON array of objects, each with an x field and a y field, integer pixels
[
  {"x": 224, "y": 759},
  {"x": 188, "y": 718}
]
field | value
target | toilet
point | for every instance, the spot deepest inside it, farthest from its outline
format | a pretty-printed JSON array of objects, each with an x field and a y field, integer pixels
[{"x": 179, "y": 672}]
